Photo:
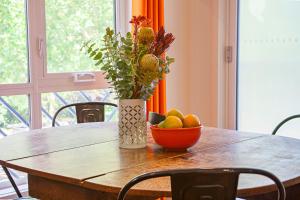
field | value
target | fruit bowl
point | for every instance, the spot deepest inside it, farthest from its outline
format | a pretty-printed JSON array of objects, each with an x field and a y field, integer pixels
[{"x": 176, "y": 138}]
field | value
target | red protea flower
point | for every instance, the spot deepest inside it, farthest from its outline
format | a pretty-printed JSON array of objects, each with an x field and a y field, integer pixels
[
  {"x": 161, "y": 42},
  {"x": 137, "y": 20}
]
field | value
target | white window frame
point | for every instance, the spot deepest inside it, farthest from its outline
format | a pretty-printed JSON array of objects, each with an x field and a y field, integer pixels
[
  {"x": 227, "y": 37},
  {"x": 43, "y": 82}
]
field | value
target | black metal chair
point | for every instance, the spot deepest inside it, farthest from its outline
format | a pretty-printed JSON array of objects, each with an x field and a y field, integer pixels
[
  {"x": 87, "y": 112},
  {"x": 20, "y": 197},
  {"x": 204, "y": 184},
  {"x": 283, "y": 122}
]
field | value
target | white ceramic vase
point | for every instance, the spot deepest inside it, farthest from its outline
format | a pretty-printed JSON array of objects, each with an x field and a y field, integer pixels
[{"x": 132, "y": 124}]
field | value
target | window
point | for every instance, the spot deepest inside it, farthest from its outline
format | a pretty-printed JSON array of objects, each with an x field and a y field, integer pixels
[
  {"x": 40, "y": 58},
  {"x": 68, "y": 23},
  {"x": 267, "y": 41},
  {"x": 13, "y": 45},
  {"x": 51, "y": 102},
  {"x": 15, "y": 114},
  {"x": 268, "y": 75}
]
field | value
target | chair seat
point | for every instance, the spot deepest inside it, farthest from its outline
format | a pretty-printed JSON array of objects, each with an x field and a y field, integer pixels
[{"x": 220, "y": 183}]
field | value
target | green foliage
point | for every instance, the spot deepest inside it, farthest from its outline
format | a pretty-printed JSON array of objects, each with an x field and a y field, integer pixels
[
  {"x": 116, "y": 59},
  {"x": 20, "y": 104},
  {"x": 13, "y": 57},
  {"x": 68, "y": 24},
  {"x": 119, "y": 59},
  {"x": 13, "y": 53}
]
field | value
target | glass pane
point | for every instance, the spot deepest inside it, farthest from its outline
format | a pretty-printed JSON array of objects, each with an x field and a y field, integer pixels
[
  {"x": 14, "y": 117},
  {"x": 69, "y": 24},
  {"x": 51, "y": 102},
  {"x": 14, "y": 114},
  {"x": 13, "y": 45},
  {"x": 268, "y": 65}
]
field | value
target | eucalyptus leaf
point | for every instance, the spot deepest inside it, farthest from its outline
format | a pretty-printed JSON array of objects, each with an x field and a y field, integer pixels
[
  {"x": 120, "y": 63},
  {"x": 98, "y": 56}
]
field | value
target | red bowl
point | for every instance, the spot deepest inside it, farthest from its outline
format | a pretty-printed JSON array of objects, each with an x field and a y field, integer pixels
[{"x": 176, "y": 138}]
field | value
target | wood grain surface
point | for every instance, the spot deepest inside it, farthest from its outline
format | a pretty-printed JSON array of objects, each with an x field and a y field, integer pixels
[
  {"x": 279, "y": 155},
  {"x": 86, "y": 157},
  {"x": 78, "y": 164},
  {"x": 42, "y": 141}
]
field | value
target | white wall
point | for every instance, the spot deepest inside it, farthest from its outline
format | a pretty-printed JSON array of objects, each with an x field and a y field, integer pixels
[
  {"x": 176, "y": 21},
  {"x": 192, "y": 83}
]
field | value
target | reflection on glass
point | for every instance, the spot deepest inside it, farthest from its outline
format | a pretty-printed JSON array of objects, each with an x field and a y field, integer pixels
[
  {"x": 268, "y": 65},
  {"x": 13, "y": 42},
  {"x": 70, "y": 23}
]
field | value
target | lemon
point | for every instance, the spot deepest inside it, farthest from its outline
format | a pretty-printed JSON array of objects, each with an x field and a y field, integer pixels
[
  {"x": 161, "y": 125},
  {"x": 175, "y": 112},
  {"x": 171, "y": 122},
  {"x": 190, "y": 121}
]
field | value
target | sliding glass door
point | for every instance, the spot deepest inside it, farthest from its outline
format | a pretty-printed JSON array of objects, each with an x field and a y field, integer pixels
[{"x": 268, "y": 65}]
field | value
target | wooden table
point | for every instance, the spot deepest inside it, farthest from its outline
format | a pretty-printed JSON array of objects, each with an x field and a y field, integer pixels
[{"x": 85, "y": 162}]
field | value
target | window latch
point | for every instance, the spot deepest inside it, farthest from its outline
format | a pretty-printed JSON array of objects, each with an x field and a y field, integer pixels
[
  {"x": 228, "y": 54},
  {"x": 84, "y": 77},
  {"x": 41, "y": 47}
]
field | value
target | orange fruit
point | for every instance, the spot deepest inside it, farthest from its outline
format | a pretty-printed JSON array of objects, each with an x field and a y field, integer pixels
[{"x": 190, "y": 121}]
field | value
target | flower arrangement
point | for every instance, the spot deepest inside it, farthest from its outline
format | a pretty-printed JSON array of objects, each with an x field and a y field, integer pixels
[{"x": 133, "y": 64}]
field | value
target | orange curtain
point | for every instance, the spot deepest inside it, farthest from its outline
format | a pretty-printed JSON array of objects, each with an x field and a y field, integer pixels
[{"x": 154, "y": 10}]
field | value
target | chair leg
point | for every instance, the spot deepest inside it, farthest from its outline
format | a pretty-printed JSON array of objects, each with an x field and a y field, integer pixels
[{"x": 12, "y": 181}]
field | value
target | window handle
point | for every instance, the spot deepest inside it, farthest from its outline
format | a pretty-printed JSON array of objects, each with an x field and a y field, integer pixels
[
  {"x": 41, "y": 47},
  {"x": 84, "y": 77}
]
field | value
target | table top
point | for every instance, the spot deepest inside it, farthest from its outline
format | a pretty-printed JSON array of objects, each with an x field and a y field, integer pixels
[
  {"x": 42, "y": 141},
  {"x": 88, "y": 155}
]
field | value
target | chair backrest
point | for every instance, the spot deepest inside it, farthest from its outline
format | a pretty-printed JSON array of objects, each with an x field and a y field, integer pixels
[
  {"x": 283, "y": 122},
  {"x": 204, "y": 184},
  {"x": 86, "y": 112}
]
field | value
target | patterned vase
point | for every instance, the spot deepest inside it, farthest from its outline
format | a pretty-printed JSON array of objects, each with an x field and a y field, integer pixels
[{"x": 132, "y": 124}]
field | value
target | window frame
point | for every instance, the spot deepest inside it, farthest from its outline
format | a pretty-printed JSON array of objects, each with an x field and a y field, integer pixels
[
  {"x": 39, "y": 80},
  {"x": 227, "y": 70}
]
